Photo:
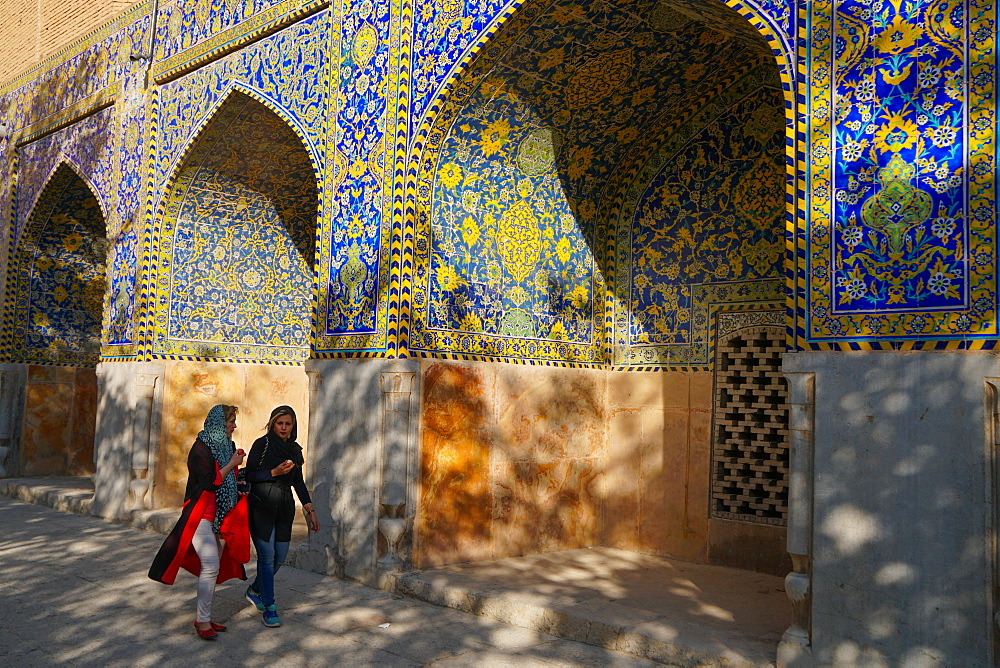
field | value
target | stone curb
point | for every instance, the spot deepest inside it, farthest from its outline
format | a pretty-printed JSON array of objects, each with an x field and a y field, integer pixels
[
  {"x": 67, "y": 501},
  {"x": 79, "y": 502},
  {"x": 519, "y": 611}
]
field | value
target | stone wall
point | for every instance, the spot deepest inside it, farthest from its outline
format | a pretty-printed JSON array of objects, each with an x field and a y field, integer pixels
[
  {"x": 33, "y": 31},
  {"x": 192, "y": 388},
  {"x": 903, "y": 493},
  {"x": 58, "y": 431},
  {"x": 523, "y": 459}
]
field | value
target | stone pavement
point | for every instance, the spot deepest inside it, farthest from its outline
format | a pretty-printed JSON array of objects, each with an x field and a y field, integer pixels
[{"x": 75, "y": 592}]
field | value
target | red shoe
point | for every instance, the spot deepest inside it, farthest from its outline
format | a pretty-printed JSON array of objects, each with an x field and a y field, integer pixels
[
  {"x": 205, "y": 634},
  {"x": 217, "y": 626}
]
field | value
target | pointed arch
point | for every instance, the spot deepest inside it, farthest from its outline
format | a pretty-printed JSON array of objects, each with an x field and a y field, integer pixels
[
  {"x": 594, "y": 83},
  {"x": 56, "y": 280},
  {"x": 239, "y": 88},
  {"x": 229, "y": 168},
  {"x": 66, "y": 162}
]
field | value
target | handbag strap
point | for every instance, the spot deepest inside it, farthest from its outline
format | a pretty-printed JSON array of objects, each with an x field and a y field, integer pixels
[{"x": 267, "y": 442}]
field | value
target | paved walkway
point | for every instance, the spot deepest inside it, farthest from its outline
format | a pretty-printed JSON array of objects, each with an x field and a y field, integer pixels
[{"x": 607, "y": 607}]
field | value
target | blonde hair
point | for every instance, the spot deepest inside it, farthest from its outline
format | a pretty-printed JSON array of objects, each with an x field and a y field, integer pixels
[
  {"x": 282, "y": 411},
  {"x": 229, "y": 412}
]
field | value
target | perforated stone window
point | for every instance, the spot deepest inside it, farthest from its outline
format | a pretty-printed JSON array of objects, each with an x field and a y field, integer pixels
[{"x": 750, "y": 442}]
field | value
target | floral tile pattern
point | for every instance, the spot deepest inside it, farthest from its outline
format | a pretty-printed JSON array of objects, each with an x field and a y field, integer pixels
[
  {"x": 902, "y": 238},
  {"x": 546, "y": 181},
  {"x": 58, "y": 277},
  {"x": 238, "y": 242}
]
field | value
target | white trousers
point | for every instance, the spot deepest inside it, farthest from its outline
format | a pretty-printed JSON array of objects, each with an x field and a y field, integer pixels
[{"x": 207, "y": 547}]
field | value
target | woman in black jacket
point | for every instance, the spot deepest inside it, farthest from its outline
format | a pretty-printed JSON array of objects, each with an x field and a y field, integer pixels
[{"x": 274, "y": 468}]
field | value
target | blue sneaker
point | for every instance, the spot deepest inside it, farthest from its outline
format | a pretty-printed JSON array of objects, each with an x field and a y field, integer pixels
[
  {"x": 255, "y": 598},
  {"x": 271, "y": 618}
]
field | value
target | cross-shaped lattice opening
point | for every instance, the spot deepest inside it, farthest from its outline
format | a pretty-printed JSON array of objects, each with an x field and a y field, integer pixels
[{"x": 750, "y": 448}]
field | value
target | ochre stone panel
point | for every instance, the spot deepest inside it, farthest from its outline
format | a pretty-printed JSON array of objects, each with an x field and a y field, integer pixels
[
  {"x": 191, "y": 388},
  {"x": 620, "y": 485},
  {"x": 656, "y": 475},
  {"x": 752, "y": 547},
  {"x": 455, "y": 498},
  {"x": 520, "y": 460},
  {"x": 59, "y": 421},
  {"x": 47, "y": 433},
  {"x": 553, "y": 427},
  {"x": 80, "y": 457},
  {"x": 266, "y": 387},
  {"x": 512, "y": 457}
]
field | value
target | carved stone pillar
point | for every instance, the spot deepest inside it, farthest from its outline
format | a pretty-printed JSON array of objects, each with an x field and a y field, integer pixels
[
  {"x": 12, "y": 380},
  {"x": 99, "y": 375},
  {"x": 993, "y": 428},
  {"x": 141, "y": 483},
  {"x": 795, "y": 648},
  {"x": 127, "y": 437},
  {"x": 314, "y": 380},
  {"x": 5, "y": 420},
  {"x": 396, "y": 468}
]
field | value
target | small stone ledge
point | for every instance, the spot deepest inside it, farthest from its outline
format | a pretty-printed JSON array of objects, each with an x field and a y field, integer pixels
[
  {"x": 569, "y": 624},
  {"x": 77, "y": 500}
]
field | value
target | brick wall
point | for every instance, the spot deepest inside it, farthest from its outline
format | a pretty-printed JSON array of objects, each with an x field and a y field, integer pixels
[{"x": 32, "y": 31}]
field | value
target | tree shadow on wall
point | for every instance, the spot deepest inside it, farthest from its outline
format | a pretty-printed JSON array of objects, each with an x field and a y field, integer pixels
[{"x": 903, "y": 511}]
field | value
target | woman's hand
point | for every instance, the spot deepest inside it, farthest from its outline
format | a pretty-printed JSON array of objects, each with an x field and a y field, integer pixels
[
  {"x": 233, "y": 462},
  {"x": 282, "y": 468},
  {"x": 311, "y": 518}
]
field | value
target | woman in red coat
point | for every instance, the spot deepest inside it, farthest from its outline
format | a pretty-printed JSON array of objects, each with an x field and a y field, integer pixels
[{"x": 212, "y": 537}]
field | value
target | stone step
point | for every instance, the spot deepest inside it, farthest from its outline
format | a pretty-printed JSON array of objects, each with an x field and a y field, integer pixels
[{"x": 671, "y": 612}]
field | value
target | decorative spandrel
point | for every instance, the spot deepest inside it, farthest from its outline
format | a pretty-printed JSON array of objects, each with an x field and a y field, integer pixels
[{"x": 902, "y": 177}]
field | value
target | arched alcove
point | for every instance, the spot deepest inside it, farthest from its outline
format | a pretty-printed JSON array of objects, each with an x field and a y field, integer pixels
[
  {"x": 235, "y": 278},
  {"x": 57, "y": 284},
  {"x": 603, "y": 182},
  {"x": 238, "y": 242}
]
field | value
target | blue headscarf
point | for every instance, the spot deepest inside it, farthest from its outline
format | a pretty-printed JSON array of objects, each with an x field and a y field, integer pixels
[{"x": 215, "y": 437}]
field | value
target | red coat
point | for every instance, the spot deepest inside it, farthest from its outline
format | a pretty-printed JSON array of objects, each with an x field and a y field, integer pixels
[{"x": 204, "y": 477}]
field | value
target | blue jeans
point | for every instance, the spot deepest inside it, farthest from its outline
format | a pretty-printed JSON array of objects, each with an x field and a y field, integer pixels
[{"x": 270, "y": 557}]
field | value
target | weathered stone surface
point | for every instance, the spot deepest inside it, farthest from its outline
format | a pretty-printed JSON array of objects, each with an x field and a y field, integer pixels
[{"x": 903, "y": 486}]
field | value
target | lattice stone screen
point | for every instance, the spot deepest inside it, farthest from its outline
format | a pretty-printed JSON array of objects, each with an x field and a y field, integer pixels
[{"x": 750, "y": 444}]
